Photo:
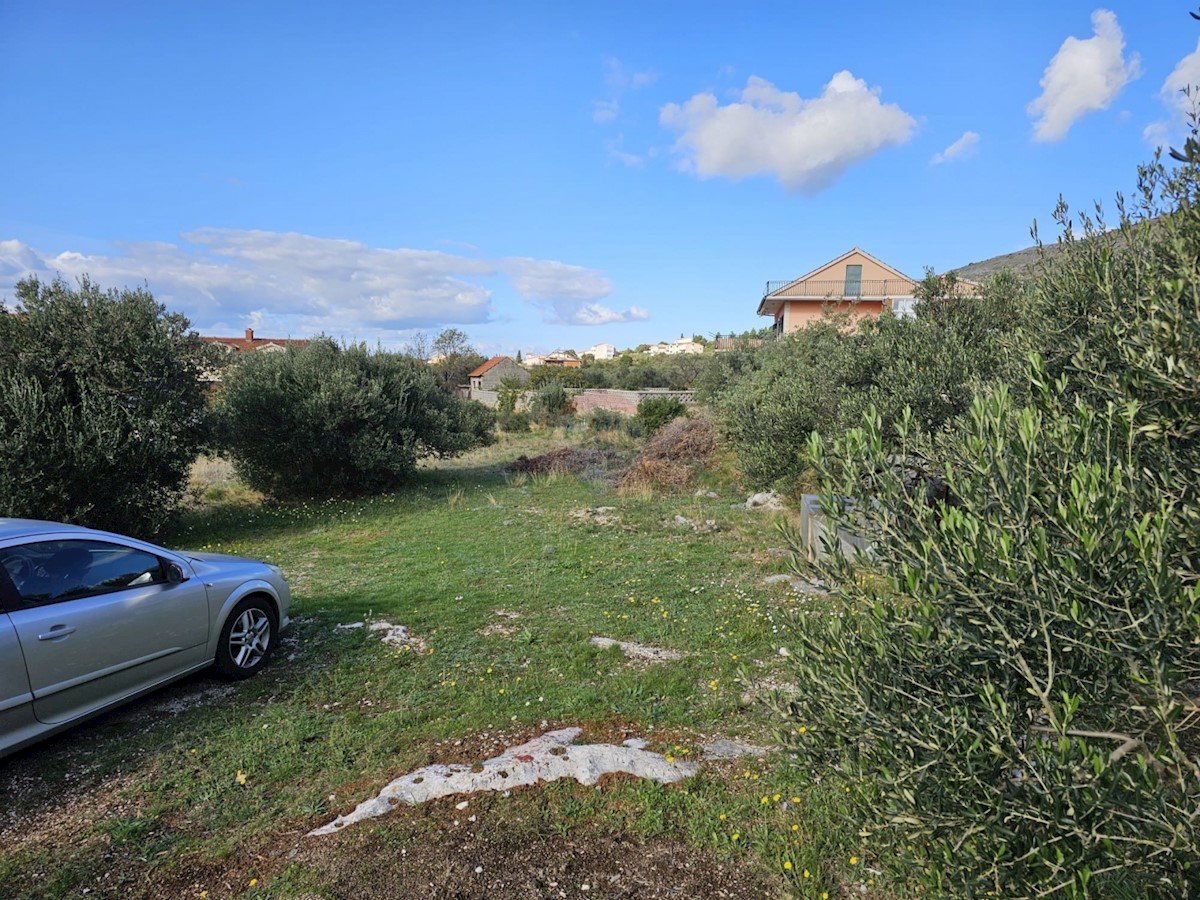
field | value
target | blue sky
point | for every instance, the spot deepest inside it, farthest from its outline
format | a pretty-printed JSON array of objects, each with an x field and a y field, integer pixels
[{"x": 545, "y": 175}]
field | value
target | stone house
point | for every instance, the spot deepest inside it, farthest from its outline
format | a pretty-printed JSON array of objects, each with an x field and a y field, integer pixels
[{"x": 489, "y": 375}]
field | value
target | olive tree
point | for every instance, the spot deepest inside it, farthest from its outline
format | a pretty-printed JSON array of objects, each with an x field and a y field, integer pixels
[
  {"x": 101, "y": 405},
  {"x": 1007, "y": 684},
  {"x": 330, "y": 419}
]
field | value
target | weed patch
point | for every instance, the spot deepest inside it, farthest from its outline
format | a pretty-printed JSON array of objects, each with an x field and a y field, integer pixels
[{"x": 505, "y": 585}]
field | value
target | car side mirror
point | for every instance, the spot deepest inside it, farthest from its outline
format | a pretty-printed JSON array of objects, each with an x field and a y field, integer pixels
[{"x": 175, "y": 574}]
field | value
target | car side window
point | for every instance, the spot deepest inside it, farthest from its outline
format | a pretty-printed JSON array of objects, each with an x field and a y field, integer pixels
[{"x": 50, "y": 571}]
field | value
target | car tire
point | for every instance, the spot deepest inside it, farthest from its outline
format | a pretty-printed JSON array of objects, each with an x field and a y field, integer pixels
[{"x": 247, "y": 639}]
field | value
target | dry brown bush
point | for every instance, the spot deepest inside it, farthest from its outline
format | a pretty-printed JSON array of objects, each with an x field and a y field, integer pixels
[
  {"x": 673, "y": 457},
  {"x": 564, "y": 460}
]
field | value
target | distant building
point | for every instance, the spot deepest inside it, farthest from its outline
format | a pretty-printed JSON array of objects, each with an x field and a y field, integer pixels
[
  {"x": 855, "y": 282},
  {"x": 684, "y": 346},
  {"x": 564, "y": 359},
  {"x": 601, "y": 351},
  {"x": 250, "y": 343},
  {"x": 488, "y": 376},
  {"x": 678, "y": 347},
  {"x": 247, "y": 344}
]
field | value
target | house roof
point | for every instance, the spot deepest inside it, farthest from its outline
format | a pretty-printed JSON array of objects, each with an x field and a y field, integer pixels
[
  {"x": 250, "y": 342},
  {"x": 836, "y": 260},
  {"x": 490, "y": 364},
  {"x": 774, "y": 297}
]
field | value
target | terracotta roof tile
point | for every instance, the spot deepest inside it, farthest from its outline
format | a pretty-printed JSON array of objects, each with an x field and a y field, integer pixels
[{"x": 494, "y": 361}]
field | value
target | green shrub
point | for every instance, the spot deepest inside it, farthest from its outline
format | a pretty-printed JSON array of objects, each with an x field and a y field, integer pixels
[
  {"x": 509, "y": 394},
  {"x": 655, "y": 412},
  {"x": 549, "y": 403},
  {"x": 541, "y": 376},
  {"x": 828, "y": 374},
  {"x": 634, "y": 427},
  {"x": 1007, "y": 686},
  {"x": 101, "y": 406},
  {"x": 515, "y": 422},
  {"x": 329, "y": 420},
  {"x": 605, "y": 420}
]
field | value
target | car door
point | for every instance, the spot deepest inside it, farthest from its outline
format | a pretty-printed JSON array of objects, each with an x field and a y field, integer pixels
[
  {"x": 98, "y": 621},
  {"x": 17, "y": 722}
]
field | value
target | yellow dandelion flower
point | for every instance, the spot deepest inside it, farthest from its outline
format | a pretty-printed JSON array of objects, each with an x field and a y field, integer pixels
[
  {"x": 803, "y": 729},
  {"x": 776, "y": 798},
  {"x": 241, "y": 777},
  {"x": 764, "y": 800},
  {"x": 807, "y": 874},
  {"x": 734, "y": 836},
  {"x": 722, "y": 817},
  {"x": 795, "y": 828},
  {"x": 795, "y": 799},
  {"x": 787, "y": 864},
  {"x": 854, "y": 860},
  {"x": 253, "y": 882}
]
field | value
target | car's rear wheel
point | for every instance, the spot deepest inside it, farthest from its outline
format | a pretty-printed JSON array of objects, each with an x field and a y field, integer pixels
[{"x": 248, "y": 638}]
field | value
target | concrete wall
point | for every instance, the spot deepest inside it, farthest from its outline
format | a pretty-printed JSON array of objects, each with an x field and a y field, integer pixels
[
  {"x": 594, "y": 398},
  {"x": 815, "y": 531}
]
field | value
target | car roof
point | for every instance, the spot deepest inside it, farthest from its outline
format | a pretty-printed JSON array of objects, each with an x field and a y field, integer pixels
[{"x": 18, "y": 528}]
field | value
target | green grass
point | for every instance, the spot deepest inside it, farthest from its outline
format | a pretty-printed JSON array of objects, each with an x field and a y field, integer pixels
[{"x": 338, "y": 714}]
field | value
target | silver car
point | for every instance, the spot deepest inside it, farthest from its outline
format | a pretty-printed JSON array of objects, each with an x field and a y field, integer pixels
[{"x": 90, "y": 619}]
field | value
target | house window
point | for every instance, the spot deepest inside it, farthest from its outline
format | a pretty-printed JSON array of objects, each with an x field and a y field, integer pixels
[{"x": 853, "y": 281}]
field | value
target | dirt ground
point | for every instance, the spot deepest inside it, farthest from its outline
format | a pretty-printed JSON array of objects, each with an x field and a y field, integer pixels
[{"x": 499, "y": 847}]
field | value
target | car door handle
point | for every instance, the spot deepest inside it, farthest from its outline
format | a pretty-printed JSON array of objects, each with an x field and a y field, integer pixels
[{"x": 58, "y": 631}]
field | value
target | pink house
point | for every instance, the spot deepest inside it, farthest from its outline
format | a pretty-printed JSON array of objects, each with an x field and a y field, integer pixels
[{"x": 855, "y": 282}]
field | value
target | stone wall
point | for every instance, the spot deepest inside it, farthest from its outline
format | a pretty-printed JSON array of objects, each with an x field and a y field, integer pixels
[{"x": 595, "y": 398}]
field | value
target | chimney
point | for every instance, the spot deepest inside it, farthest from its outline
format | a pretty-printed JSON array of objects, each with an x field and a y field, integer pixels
[{"x": 249, "y": 334}]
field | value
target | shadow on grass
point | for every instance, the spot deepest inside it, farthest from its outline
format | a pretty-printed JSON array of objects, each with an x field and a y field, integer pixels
[{"x": 204, "y": 523}]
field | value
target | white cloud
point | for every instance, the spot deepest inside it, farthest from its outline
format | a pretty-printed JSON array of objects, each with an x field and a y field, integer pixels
[
  {"x": 605, "y": 110},
  {"x": 619, "y": 81},
  {"x": 544, "y": 279},
  {"x": 616, "y": 150},
  {"x": 569, "y": 293},
  {"x": 805, "y": 143},
  {"x": 1084, "y": 76},
  {"x": 1186, "y": 75},
  {"x": 296, "y": 284},
  {"x": 595, "y": 314},
  {"x": 960, "y": 149}
]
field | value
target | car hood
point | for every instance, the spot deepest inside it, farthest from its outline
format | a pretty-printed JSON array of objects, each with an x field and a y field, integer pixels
[
  {"x": 221, "y": 562},
  {"x": 204, "y": 556}
]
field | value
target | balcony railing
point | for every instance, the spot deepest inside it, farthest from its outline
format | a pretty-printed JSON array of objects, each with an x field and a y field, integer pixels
[{"x": 890, "y": 287}]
